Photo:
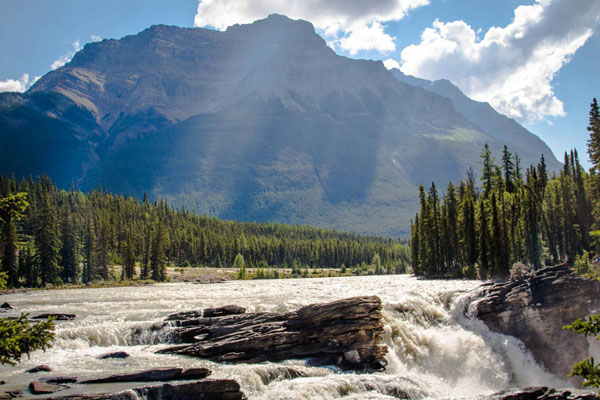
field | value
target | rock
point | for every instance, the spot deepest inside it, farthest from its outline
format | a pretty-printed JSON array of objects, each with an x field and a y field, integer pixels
[
  {"x": 45, "y": 388},
  {"x": 184, "y": 315},
  {"x": 222, "y": 311},
  {"x": 154, "y": 375},
  {"x": 535, "y": 310},
  {"x": 11, "y": 394},
  {"x": 39, "y": 368},
  {"x": 346, "y": 333},
  {"x": 116, "y": 354},
  {"x": 208, "y": 389},
  {"x": 59, "y": 380},
  {"x": 542, "y": 392},
  {"x": 6, "y": 306},
  {"x": 56, "y": 316}
]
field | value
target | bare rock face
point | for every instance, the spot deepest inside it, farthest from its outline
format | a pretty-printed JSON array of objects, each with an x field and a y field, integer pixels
[
  {"x": 208, "y": 389},
  {"x": 535, "y": 310},
  {"x": 346, "y": 333}
]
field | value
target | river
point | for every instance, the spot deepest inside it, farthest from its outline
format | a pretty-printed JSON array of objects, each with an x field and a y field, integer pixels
[{"x": 436, "y": 349}]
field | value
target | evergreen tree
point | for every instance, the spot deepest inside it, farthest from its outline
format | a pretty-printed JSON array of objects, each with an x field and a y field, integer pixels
[
  {"x": 12, "y": 209},
  {"x": 47, "y": 240},
  {"x": 157, "y": 264},
  {"x": 69, "y": 251},
  {"x": 240, "y": 265},
  {"x": 128, "y": 260}
]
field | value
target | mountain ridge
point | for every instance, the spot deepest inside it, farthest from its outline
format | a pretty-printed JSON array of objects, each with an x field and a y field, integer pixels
[{"x": 260, "y": 122}]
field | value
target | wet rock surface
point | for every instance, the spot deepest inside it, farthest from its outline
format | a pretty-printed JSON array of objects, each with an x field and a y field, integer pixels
[
  {"x": 45, "y": 388},
  {"x": 542, "y": 392},
  {"x": 39, "y": 368},
  {"x": 346, "y": 333},
  {"x": 155, "y": 375},
  {"x": 208, "y": 389},
  {"x": 56, "y": 316},
  {"x": 535, "y": 310},
  {"x": 116, "y": 354}
]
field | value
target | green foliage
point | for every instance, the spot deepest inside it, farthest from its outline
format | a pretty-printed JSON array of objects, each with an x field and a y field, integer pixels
[
  {"x": 20, "y": 336},
  {"x": 586, "y": 368},
  {"x": 68, "y": 237},
  {"x": 240, "y": 265}
]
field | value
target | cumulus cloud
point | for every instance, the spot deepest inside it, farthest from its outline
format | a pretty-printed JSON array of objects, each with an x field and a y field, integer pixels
[
  {"x": 391, "y": 64},
  {"x": 96, "y": 38},
  {"x": 511, "y": 67},
  {"x": 17, "y": 85},
  {"x": 67, "y": 57},
  {"x": 353, "y": 25}
]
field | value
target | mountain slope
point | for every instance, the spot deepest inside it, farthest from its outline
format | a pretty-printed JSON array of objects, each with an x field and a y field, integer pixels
[
  {"x": 482, "y": 115},
  {"x": 259, "y": 122}
]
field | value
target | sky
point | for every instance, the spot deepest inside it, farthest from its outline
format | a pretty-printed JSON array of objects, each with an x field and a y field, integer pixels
[{"x": 532, "y": 60}]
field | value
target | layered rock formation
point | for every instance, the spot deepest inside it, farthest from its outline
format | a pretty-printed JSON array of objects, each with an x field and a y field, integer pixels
[
  {"x": 535, "y": 310},
  {"x": 346, "y": 333}
]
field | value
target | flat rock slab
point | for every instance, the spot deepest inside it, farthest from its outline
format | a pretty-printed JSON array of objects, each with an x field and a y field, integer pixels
[
  {"x": 60, "y": 380},
  {"x": 56, "y": 316},
  {"x": 155, "y": 375},
  {"x": 207, "y": 313},
  {"x": 346, "y": 333},
  {"x": 45, "y": 388},
  {"x": 535, "y": 310},
  {"x": 208, "y": 389},
  {"x": 116, "y": 354}
]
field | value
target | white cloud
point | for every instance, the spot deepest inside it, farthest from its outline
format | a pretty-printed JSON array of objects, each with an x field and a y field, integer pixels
[
  {"x": 353, "y": 25},
  {"x": 67, "y": 57},
  {"x": 391, "y": 64},
  {"x": 18, "y": 85},
  {"x": 96, "y": 38},
  {"x": 512, "y": 67}
]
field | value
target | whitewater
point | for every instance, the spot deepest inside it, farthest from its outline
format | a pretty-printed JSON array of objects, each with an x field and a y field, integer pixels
[{"x": 437, "y": 349}]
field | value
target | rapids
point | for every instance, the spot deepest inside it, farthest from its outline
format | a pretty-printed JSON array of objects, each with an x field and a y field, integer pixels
[{"x": 436, "y": 349}]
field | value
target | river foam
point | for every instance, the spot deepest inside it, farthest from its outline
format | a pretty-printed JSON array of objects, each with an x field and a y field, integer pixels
[{"x": 436, "y": 348}]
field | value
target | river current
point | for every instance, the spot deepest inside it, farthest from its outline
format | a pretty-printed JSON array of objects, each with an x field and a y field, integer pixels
[{"x": 436, "y": 349}]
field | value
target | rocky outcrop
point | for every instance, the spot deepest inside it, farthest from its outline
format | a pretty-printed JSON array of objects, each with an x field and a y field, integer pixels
[
  {"x": 535, "y": 310},
  {"x": 155, "y": 375},
  {"x": 208, "y": 389},
  {"x": 542, "y": 392},
  {"x": 346, "y": 333}
]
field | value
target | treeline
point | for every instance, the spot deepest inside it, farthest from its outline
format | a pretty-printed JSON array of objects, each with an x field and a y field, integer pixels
[
  {"x": 531, "y": 217},
  {"x": 53, "y": 236}
]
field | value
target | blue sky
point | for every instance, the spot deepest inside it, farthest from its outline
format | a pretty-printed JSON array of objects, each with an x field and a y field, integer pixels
[{"x": 535, "y": 60}]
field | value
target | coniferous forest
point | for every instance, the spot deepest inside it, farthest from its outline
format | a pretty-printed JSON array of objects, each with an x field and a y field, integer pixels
[
  {"x": 52, "y": 236},
  {"x": 511, "y": 215}
]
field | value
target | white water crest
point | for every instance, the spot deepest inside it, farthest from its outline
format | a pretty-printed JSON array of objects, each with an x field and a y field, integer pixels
[{"x": 437, "y": 349}]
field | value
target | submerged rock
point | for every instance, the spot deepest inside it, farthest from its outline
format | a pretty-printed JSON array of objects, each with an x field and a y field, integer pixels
[
  {"x": 542, "y": 392},
  {"x": 116, "y": 354},
  {"x": 45, "y": 388},
  {"x": 208, "y": 389},
  {"x": 535, "y": 310},
  {"x": 56, "y": 316},
  {"x": 155, "y": 375},
  {"x": 39, "y": 368},
  {"x": 6, "y": 306},
  {"x": 59, "y": 380},
  {"x": 346, "y": 333}
]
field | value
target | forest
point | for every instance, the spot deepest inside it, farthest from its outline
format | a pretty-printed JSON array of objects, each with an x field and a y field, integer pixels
[
  {"x": 52, "y": 236},
  {"x": 512, "y": 216}
]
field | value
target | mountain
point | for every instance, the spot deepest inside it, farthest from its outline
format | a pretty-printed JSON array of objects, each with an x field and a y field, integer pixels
[
  {"x": 527, "y": 145},
  {"x": 259, "y": 122}
]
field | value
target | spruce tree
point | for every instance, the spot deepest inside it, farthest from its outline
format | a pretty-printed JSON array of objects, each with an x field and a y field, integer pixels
[
  {"x": 47, "y": 239},
  {"x": 157, "y": 263},
  {"x": 12, "y": 209}
]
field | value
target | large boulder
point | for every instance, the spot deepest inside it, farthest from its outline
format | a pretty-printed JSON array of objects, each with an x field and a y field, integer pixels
[
  {"x": 346, "y": 333},
  {"x": 535, "y": 310}
]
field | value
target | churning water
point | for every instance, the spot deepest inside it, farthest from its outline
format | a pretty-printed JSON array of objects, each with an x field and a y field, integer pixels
[{"x": 436, "y": 350}]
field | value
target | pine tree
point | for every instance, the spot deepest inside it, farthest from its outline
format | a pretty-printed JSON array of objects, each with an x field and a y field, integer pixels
[
  {"x": 69, "y": 251},
  {"x": 12, "y": 209},
  {"x": 487, "y": 170},
  {"x": 484, "y": 242},
  {"x": 594, "y": 140},
  {"x": 47, "y": 240},
  {"x": 128, "y": 260},
  {"x": 157, "y": 264}
]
